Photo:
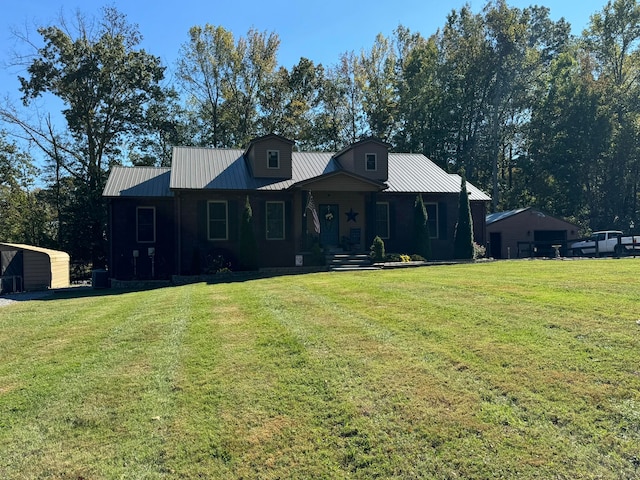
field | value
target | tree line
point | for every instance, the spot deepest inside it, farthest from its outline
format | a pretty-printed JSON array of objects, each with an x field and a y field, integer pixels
[{"x": 534, "y": 115}]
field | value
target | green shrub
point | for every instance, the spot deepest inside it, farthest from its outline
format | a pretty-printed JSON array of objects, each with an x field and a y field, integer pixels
[
  {"x": 317, "y": 255},
  {"x": 377, "y": 250}
]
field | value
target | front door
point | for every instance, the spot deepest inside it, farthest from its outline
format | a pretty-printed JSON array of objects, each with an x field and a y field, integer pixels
[{"x": 329, "y": 224}]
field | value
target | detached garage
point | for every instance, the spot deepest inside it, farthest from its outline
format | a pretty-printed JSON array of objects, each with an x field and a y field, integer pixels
[
  {"x": 25, "y": 267},
  {"x": 526, "y": 232}
]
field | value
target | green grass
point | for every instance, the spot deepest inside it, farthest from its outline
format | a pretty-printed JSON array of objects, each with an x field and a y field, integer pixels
[{"x": 527, "y": 369}]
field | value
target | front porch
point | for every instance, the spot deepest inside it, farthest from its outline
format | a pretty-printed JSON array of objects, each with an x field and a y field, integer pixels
[{"x": 344, "y": 221}]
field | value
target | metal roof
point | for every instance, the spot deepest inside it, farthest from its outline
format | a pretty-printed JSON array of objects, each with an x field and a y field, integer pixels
[
  {"x": 497, "y": 216},
  {"x": 226, "y": 169},
  {"x": 53, "y": 254},
  {"x": 138, "y": 182},
  {"x": 196, "y": 168},
  {"x": 413, "y": 173}
]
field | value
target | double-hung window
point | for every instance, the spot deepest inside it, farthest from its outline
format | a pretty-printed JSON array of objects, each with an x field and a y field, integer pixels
[
  {"x": 217, "y": 220},
  {"x": 371, "y": 162},
  {"x": 273, "y": 159},
  {"x": 382, "y": 220},
  {"x": 432, "y": 221},
  {"x": 146, "y": 224},
  {"x": 275, "y": 220}
]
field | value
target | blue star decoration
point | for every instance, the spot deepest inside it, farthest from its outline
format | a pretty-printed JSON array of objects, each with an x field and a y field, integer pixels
[{"x": 351, "y": 215}]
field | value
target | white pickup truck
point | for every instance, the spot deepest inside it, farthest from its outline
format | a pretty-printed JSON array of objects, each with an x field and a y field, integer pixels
[{"x": 608, "y": 242}]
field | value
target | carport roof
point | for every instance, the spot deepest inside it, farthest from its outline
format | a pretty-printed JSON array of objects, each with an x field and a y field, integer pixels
[{"x": 53, "y": 254}]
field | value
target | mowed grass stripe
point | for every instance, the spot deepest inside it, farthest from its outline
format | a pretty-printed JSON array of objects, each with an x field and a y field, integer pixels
[
  {"x": 100, "y": 393},
  {"x": 471, "y": 371}
]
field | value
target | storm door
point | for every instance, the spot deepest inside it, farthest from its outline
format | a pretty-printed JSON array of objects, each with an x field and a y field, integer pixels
[{"x": 329, "y": 224}]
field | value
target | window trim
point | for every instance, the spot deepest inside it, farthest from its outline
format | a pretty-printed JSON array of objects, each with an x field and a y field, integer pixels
[
  {"x": 226, "y": 220},
  {"x": 375, "y": 162},
  {"x": 138, "y": 209},
  {"x": 266, "y": 219},
  {"x": 435, "y": 234},
  {"x": 277, "y": 152},
  {"x": 388, "y": 235}
]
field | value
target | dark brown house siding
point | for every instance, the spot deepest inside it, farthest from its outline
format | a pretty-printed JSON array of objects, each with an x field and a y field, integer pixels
[
  {"x": 201, "y": 254},
  {"x": 442, "y": 228},
  {"x": 124, "y": 239}
]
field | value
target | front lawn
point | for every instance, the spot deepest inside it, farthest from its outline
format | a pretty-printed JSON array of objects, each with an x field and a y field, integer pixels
[{"x": 523, "y": 369}]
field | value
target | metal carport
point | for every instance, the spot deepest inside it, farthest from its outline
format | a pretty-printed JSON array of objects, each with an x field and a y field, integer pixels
[{"x": 26, "y": 267}]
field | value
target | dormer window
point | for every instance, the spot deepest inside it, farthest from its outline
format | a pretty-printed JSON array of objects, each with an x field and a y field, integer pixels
[
  {"x": 273, "y": 159},
  {"x": 371, "y": 162}
]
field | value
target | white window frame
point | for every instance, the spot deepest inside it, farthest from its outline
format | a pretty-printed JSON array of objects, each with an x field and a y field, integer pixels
[
  {"x": 226, "y": 220},
  {"x": 284, "y": 227},
  {"x": 277, "y": 158},
  {"x": 138, "y": 209},
  {"x": 388, "y": 235},
  {"x": 375, "y": 162},
  {"x": 433, "y": 234}
]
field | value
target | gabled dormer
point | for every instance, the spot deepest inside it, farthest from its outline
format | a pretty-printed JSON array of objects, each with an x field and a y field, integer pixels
[
  {"x": 368, "y": 158},
  {"x": 270, "y": 157}
]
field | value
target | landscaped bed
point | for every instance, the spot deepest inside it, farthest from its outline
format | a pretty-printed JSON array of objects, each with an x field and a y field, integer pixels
[{"x": 523, "y": 369}]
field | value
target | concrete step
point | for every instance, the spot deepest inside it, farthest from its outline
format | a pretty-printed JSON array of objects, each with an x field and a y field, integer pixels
[{"x": 349, "y": 261}]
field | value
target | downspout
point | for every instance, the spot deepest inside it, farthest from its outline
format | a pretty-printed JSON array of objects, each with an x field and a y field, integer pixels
[
  {"x": 111, "y": 261},
  {"x": 177, "y": 211}
]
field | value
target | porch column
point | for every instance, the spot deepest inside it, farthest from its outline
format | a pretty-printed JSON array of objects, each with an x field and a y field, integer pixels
[
  {"x": 370, "y": 224},
  {"x": 304, "y": 195}
]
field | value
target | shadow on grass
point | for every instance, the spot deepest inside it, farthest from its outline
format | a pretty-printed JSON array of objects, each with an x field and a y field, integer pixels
[{"x": 124, "y": 287}]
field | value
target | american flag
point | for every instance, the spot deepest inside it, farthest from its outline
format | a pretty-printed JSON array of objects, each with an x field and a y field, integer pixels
[{"x": 312, "y": 206}]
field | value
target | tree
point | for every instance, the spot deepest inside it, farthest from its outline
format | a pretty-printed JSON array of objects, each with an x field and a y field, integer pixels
[
  {"x": 24, "y": 217},
  {"x": 248, "y": 244},
  {"x": 225, "y": 79},
  {"x": 106, "y": 87},
  {"x": 419, "y": 116},
  {"x": 422, "y": 236},
  {"x": 203, "y": 68},
  {"x": 288, "y": 101},
  {"x": 379, "y": 99},
  {"x": 613, "y": 40},
  {"x": 568, "y": 136},
  {"x": 341, "y": 117},
  {"x": 463, "y": 237}
]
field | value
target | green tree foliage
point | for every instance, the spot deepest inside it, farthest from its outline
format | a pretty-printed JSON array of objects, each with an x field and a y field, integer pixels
[
  {"x": 463, "y": 236},
  {"x": 225, "y": 79},
  {"x": 379, "y": 99},
  {"x": 106, "y": 86},
  {"x": 248, "y": 244},
  {"x": 288, "y": 102},
  {"x": 422, "y": 236},
  {"x": 568, "y": 134},
  {"x": 613, "y": 41},
  {"x": 25, "y": 217}
]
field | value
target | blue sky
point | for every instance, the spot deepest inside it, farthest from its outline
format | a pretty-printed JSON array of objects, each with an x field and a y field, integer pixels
[{"x": 319, "y": 30}]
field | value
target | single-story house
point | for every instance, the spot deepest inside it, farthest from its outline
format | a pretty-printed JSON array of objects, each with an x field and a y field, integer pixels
[
  {"x": 26, "y": 267},
  {"x": 526, "y": 232},
  {"x": 177, "y": 220}
]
